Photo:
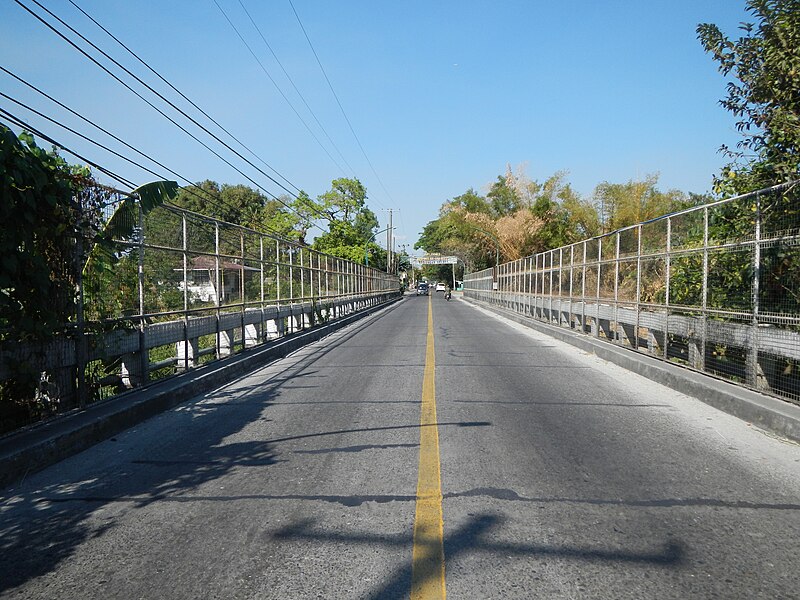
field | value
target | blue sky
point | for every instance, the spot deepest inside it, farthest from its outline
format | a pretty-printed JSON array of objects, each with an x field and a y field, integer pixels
[{"x": 442, "y": 95}]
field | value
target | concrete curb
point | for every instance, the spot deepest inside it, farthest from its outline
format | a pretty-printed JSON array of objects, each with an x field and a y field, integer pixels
[
  {"x": 766, "y": 412},
  {"x": 33, "y": 449}
]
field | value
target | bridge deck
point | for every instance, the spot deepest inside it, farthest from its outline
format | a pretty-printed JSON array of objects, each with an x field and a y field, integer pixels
[{"x": 562, "y": 476}]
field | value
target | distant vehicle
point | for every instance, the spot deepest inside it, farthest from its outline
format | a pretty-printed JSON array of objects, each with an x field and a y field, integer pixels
[
  {"x": 422, "y": 289},
  {"x": 440, "y": 287}
]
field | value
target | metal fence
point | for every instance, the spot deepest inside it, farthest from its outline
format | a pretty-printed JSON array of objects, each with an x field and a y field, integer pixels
[
  {"x": 715, "y": 288},
  {"x": 178, "y": 290}
]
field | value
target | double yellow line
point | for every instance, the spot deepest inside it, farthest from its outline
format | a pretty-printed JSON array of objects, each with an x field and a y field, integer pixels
[{"x": 427, "y": 562}]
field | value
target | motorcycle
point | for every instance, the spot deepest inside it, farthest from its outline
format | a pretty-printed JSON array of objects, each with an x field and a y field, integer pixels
[{"x": 447, "y": 295}]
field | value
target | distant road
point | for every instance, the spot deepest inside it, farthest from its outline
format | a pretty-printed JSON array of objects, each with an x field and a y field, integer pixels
[{"x": 562, "y": 476}]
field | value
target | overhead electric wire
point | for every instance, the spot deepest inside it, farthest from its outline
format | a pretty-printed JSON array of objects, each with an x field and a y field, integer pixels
[
  {"x": 263, "y": 68},
  {"x": 28, "y": 127},
  {"x": 105, "y": 131},
  {"x": 190, "y": 190},
  {"x": 80, "y": 135},
  {"x": 341, "y": 108},
  {"x": 280, "y": 64},
  {"x": 115, "y": 62},
  {"x": 104, "y": 68},
  {"x": 176, "y": 90}
]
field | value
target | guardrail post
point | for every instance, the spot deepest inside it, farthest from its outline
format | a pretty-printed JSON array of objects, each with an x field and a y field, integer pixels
[
  {"x": 251, "y": 335},
  {"x": 131, "y": 370},
  {"x": 187, "y": 351},
  {"x": 226, "y": 342}
]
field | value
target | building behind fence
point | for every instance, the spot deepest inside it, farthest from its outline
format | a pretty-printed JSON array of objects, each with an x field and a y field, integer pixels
[
  {"x": 180, "y": 290},
  {"x": 715, "y": 288}
]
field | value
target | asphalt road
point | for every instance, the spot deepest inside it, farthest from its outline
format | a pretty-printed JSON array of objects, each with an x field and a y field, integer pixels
[{"x": 562, "y": 477}]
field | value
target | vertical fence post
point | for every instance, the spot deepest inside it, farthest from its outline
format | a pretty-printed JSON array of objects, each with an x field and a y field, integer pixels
[
  {"x": 704, "y": 300},
  {"x": 752, "y": 352},
  {"x": 667, "y": 284},
  {"x": 144, "y": 354},
  {"x": 528, "y": 285},
  {"x": 597, "y": 294},
  {"x": 560, "y": 290},
  {"x": 185, "y": 257},
  {"x": 290, "y": 250},
  {"x": 278, "y": 274},
  {"x": 616, "y": 336},
  {"x": 536, "y": 288},
  {"x": 81, "y": 343},
  {"x": 571, "y": 319},
  {"x": 638, "y": 286},
  {"x": 302, "y": 277},
  {"x": 550, "y": 289},
  {"x": 261, "y": 333},
  {"x": 583, "y": 290},
  {"x": 218, "y": 284}
]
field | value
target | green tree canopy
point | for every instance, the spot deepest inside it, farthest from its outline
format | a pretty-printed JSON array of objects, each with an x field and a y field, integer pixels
[
  {"x": 763, "y": 93},
  {"x": 350, "y": 223},
  {"x": 244, "y": 206},
  {"x": 503, "y": 197},
  {"x": 624, "y": 204},
  {"x": 40, "y": 265}
]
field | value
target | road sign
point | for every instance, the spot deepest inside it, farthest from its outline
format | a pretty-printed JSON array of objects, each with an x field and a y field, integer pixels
[{"x": 437, "y": 259}]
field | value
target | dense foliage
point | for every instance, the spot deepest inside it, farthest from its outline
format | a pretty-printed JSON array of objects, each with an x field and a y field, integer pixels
[
  {"x": 763, "y": 93},
  {"x": 763, "y": 67},
  {"x": 519, "y": 217},
  {"x": 41, "y": 217}
]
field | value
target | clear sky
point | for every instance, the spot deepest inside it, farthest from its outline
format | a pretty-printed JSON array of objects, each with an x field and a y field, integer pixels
[{"x": 442, "y": 95}]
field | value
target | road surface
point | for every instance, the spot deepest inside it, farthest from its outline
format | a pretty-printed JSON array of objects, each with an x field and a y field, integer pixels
[{"x": 561, "y": 476}]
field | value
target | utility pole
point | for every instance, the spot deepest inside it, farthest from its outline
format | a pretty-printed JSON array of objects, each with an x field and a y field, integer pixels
[
  {"x": 366, "y": 247},
  {"x": 389, "y": 245}
]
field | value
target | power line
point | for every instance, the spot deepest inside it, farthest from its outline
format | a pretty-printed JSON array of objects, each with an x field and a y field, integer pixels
[
  {"x": 341, "y": 108},
  {"x": 92, "y": 123},
  {"x": 263, "y": 68},
  {"x": 280, "y": 64},
  {"x": 189, "y": 190},
  {"x": 107, "y": 149},
  {"x": 28, "y": 127},
  {"x": 214, "y": 201},
  {"x": 80, "y": 135},
  {"x": 205, "y": 114},
  {"x": 70, "y": 42}
]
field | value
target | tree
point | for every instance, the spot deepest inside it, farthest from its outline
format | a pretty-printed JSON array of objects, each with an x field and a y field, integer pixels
[
  {"x": 503, "y": 197},
  {"x": 456, "y": 231},
  {"x": 763, "y": 93},
  {"x": 764, "y": 96},
  {"x": 50, "y": 216},
  {"x": 472, "y": 202},
  {"x": 40, "y": 266},
  {"x": 242, "y": 205},
  {"x": 625, "y": 204},
  {"x": 351, "y": 224}
]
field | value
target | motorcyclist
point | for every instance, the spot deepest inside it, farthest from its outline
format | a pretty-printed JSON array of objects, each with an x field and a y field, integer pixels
[{"x": 447, "y": 293}]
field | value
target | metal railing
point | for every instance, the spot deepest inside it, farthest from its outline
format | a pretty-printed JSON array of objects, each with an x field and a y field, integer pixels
[
  {"x": 715, "y": 288},
  {"x": 182, "y": 289}
]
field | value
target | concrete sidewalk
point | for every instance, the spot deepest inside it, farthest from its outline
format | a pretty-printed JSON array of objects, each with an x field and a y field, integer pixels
[
  {"x": 771, "y": 414},
  {"x": 47, "y": 443}
]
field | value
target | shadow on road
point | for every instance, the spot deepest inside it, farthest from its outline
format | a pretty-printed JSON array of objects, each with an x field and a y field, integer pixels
[
  {"x": 471, "y": 538},
  {"x": 42, "y": 527}
]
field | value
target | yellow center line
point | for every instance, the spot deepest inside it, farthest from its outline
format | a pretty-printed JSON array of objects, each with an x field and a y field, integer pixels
[{"x": 427, "y": 563}]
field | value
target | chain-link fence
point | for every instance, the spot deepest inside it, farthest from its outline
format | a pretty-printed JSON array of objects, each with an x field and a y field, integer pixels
[
  {"x": 715, "y": 288},
  {"x": 173, "y": 289}
]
